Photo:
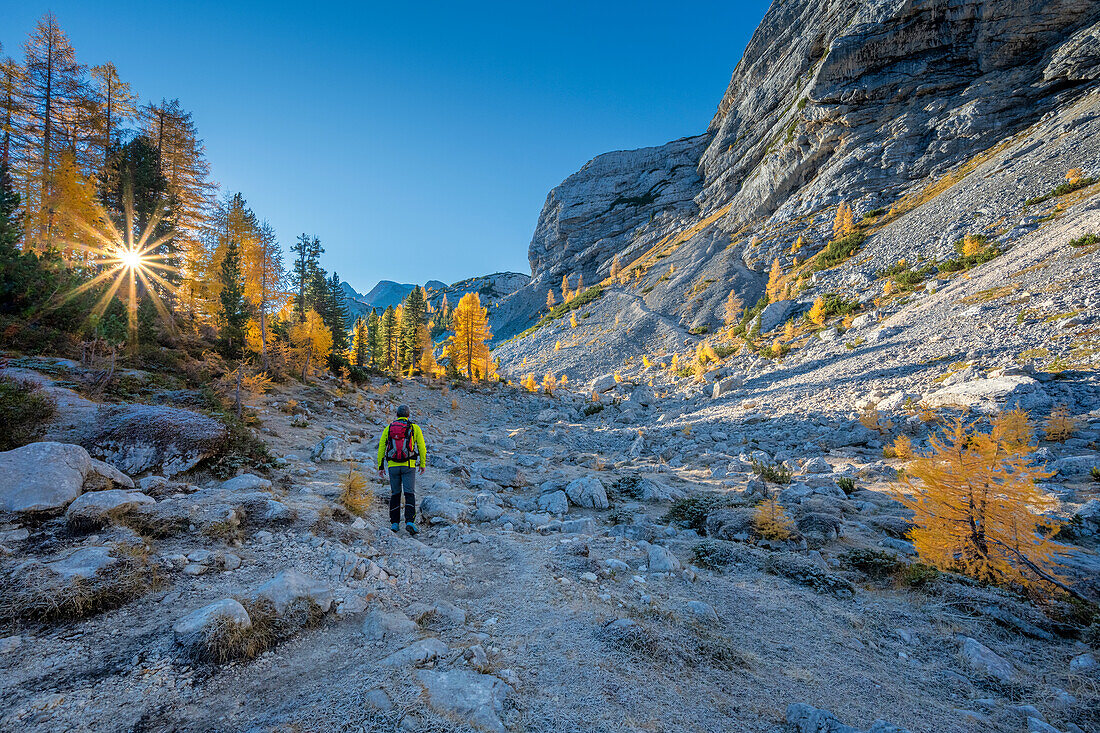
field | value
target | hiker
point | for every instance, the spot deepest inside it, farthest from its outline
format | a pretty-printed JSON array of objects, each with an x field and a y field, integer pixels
[{"x": 401, "y": 447}]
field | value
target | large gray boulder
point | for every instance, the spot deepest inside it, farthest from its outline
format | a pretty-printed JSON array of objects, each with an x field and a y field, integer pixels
[
  {"x": 290, "y": 587},
  {"x": 476, "y": 698},
  {"x": 47, "y": 477},
  {"x": 775, "y": 314},
  {"x": 987, "y": 662},
  {"x": 505, "y": 475},
  {"x": 94, "y": 508},
  {"x": 587, "y": 492},
  {"x": 992, "y": 395},
  {"x": 379, "y": 625},
  {"x": 331, "y": 448},
  {"x": 140, "y": 438}
]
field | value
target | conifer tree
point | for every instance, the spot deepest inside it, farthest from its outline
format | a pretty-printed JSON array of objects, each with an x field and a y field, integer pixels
[
  {"x": 360, "y": 344},
  {"x": 388, "y": 338},
  {"x": 233, "y": 315},
  {"x": 337, "y": 315},
  {"x": 115, "y": 100},
  {"x": 374, "y": 335},
  {"x": 468, "y": 349},
  {"x": 550, "y": 299},
  {"x": 311, "y": 339},
  {"x": 413, "y": 319},
  {"x": 844, "y": 223},
  {"x": 616, "y": 267},
  {"x": 733, "y": 308},
  {"x": 564, "y": 288},
  {"x": 977, "y": 508},
  {"x": 775, "y": 282},
  {"x": 10, "y": 229}
]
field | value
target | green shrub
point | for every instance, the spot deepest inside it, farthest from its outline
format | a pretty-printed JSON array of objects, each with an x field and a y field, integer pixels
[
  {"x": 847, "y": 485},
  {"x": 692, "y": 511},
  {"x": 918, "y": 575},
  {"x": 964, "y": 261},
  {"x": 838, "y": 250},
  {"x": 561, "y": 309},
  {"x": 1085, "y": 241},
  {"x": 1063, "y": 190},
  {"x": 24, "y": 411},
  {"x": 872, "y": 563},
  {"x": 1095, "y": 473},
  {"x": 775, "y": 473}
]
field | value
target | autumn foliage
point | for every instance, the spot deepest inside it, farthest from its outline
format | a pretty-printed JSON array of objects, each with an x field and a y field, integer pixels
[
  {"x": 468, "y": 350},
  {"x": 977, "y": 509}
]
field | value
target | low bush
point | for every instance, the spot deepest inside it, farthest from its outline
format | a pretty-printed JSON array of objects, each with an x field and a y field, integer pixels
[
  {"x": 847, "y": 485},
  {"x": 972, "y": 250},
  {"x": 1086, "y": 241},
  {"x": 872, "y": 563},
  {"x": 837, "y": 251},
  {"x": 692, "y": 511},
  {"x": 24, "y": 412},
  {"x": 1063, "y": 190},
  {"x": 775, "y": 473}
]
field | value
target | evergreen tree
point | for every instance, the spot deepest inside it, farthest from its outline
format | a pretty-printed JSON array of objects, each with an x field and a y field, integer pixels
[
  {"x": 232, "y": 316},
  {"x": 10, "y": 228},
  {"x": 337, "y": 314},
  {"x": 413, "y": 318},
  {"x": 361, "y": 346},
  {"x": 388, "y": 338},
  {"x": 374, "y": 336}
]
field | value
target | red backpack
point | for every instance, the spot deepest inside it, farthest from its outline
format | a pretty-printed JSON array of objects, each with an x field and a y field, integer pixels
[{"x": 401, "y": 446}]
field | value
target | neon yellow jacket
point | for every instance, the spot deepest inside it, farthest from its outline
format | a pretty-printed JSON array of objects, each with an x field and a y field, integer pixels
[{"x": 418, "y": 436}]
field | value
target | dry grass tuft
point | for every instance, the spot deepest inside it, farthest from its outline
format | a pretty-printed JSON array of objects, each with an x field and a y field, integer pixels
[
  {"x": 227, "y": 641},
  {"x": 1060, "y": 425},
  {"x": 353, "y": 491}
]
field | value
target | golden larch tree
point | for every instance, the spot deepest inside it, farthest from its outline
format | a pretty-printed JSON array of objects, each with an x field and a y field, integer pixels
[
  {"x": 844, "y": 223},
  {"x": 616, "y": 268},
  {"x": 550, "y": 302},
  {"x": 817, "y": 312},
  {"x": 775, "y": 282},
  {"x": 311, "y": 339},
  {"x": 468, "y": 349},
  {"x": 732, "y": 312},
  {"x": 976, "y": 509}
]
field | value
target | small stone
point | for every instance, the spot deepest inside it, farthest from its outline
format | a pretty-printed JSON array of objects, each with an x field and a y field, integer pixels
[{"x": 589, "y": 577}]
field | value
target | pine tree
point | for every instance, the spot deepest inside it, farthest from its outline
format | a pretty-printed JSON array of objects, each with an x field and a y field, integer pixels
[
  {"x": 300, "y": 273},
  {"x": 338, "y": 315},
  {"x": 374, "y": 335},
  {"x": 388, "y": 337},
  {"x": 844, "y": 223},
  {"x": 468, "y": 349},
  {"x": 564, "y": 288},
  {"x": 616, "y": 267},
  {"x": 233, "y": 315},
  {"x": 413, "y": 318},
  {"x": 360, "y": 344},
  {"x": 10, "y": 228},
  {"x": 550, "y": 299}
]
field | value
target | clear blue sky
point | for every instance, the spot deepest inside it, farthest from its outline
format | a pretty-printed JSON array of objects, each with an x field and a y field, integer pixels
[{"x": 417, "y": 140}]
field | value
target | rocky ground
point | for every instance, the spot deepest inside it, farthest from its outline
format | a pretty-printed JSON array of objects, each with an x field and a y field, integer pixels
[{"x": 547, "y": 591}]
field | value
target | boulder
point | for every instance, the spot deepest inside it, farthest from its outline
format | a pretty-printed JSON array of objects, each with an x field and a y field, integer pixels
[
  {"x": 984, "y": 660},
  {"x": 729, "y": 384},
  {"x": 47, "y": 477},
  {"x": 991, "y": 395},
  {"x": 94, "y": 508},
  {"x": 816, "y": 465},
  {"x": 474, "y": 697},
  {"x": 555, "y": 502},
  {"x": 140, "y": 438},
  {"x": 587, "y": 492},
  {"x": 775, "y": 314},
  {"x": 380, "y": 625},
  {"x": 84, "y": 563},
  {"x": 1076, "y": 465},
  {"x": 510, "y": 476},
  {"x": 290, "y": 586},
  {"x": 418, "y": 652},
  {"x": 436, "y": 507},
  {"x": 192, "y": 629},
  {"x": 246, "y": 482},
  {"x": 731, "y": 524},
  {"x": 331, "y": 448},
  {"x": 602, "y": 384},
  {"x": 661, "y": 560}
]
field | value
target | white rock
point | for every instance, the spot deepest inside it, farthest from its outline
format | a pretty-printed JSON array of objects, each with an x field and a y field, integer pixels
[
  {"x": 991, "y": 395},
  {"x": 604, "y": 383},
  {"x": 331, "y": 448},
  {"x": 418, "y": 652},
  {"x": 192, "y": 627},
  {"x": 93, "y": 508},
  {"x": 47, "y": 477},
  {"x": 380, "y": 625},
  {"x": 246, "y": 482}
]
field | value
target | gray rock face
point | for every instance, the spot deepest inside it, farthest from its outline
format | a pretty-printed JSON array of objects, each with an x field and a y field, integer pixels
[
  {"x": 730, "y": 384},
  {"x": 774, "y": 314},
  {"x": 587, "y": 492},
  {"x": 93, "y": 508},
  {"x": 47, "y": 477},
  {"x": 140, "y": 438},
  {"x": 477, "y": 698},
  {"x": 589, "y": 217}
]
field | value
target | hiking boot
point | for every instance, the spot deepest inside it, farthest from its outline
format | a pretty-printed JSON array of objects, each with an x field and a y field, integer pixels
[
  {"x": 410, "y": 527},
  {"x": 395, "y": 527}
]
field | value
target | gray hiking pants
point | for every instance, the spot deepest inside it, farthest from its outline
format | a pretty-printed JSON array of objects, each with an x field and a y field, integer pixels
[{"x": 402, "y": 478}]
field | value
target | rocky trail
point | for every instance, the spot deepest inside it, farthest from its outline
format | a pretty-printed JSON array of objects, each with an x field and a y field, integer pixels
[{"x": 548, "y": 591}]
